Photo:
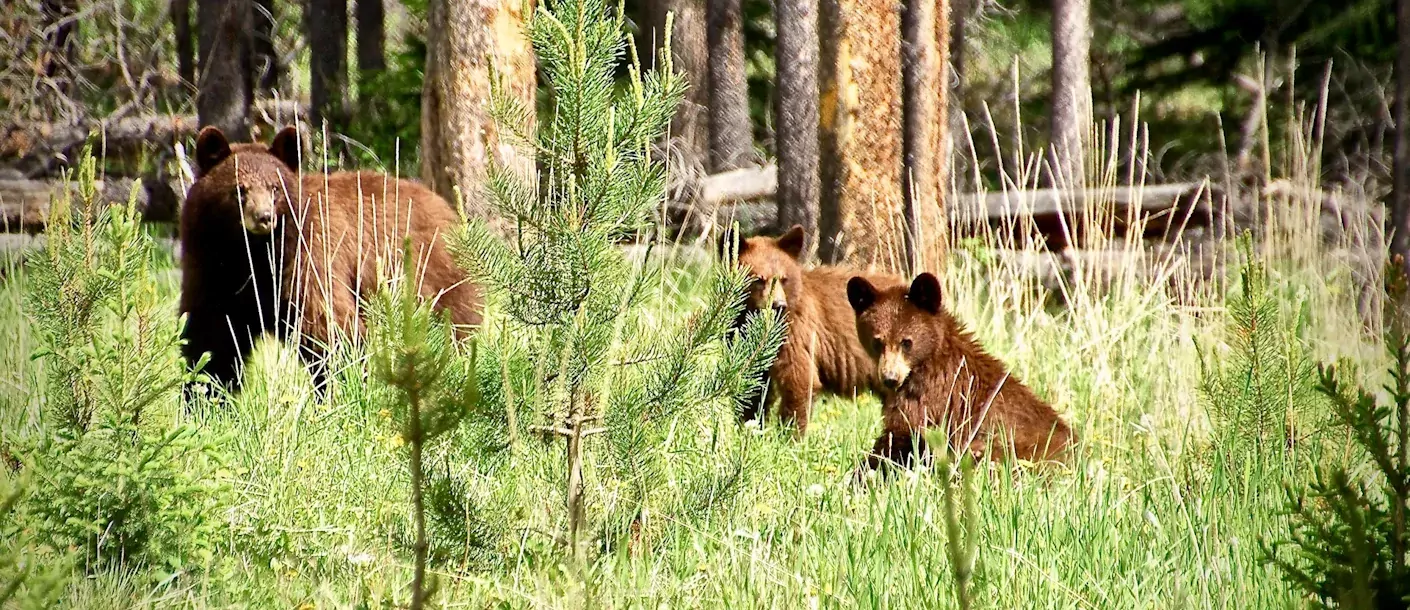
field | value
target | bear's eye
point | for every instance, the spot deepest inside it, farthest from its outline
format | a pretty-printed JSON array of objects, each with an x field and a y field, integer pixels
[
  {"x": 905, "y": 345},
  {"x": 877, "y": 344},
  {"x": 239, "y": 193}
]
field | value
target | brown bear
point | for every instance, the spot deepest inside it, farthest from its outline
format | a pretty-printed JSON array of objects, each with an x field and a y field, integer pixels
[
  {"x": 265, "y": 248},
  {"x": 820, "y": 352},
  {"x": 935, "y": 374}
]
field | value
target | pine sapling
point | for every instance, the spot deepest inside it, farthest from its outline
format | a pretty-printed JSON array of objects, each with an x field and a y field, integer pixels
[
  {"x": 414, "y": 352},
  {"x": 1347, "y": 544}
]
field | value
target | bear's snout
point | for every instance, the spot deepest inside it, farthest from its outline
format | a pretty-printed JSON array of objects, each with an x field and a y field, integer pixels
[
  {"x": 893, "y": 369},
  {"x": 259, "y": 217}
]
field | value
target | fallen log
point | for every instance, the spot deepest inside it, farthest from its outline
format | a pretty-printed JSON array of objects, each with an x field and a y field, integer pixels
[
  {"x": 35, "y": 148},
  {"x": 743, "y": 184},
  {"x": 24, "y": 204},
  {"x": 1060, "y": 217}
]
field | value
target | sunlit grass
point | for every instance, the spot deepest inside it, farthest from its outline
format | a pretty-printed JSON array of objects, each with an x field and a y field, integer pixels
[{"x": 1136, "y": 519}]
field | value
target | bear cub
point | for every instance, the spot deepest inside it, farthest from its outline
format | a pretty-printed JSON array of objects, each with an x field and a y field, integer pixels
[
  {"x": 820, "y": 352},
  {"x": 934, "y": 374},
  {"x": 266, "y": 248}
]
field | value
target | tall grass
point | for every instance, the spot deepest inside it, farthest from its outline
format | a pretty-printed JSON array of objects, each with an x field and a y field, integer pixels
[{"x": 1135, "y": 520}]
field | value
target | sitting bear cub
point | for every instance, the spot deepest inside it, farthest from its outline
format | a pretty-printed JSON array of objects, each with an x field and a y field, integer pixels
[{"x": 936, "y": 375}]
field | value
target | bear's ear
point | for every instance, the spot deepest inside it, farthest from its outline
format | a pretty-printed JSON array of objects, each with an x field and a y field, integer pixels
[
  {"x": 925, "y": 293},
  {"x": 286, "y": 147},
  {"x": 792, "y": 241},
  {"x": 211, "y": 149},
  {"x": 732, "y": 242},
  {"x": 860, "y": 294}
]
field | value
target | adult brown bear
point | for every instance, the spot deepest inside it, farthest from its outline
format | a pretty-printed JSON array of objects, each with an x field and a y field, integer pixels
[
  {"x": 266, "y": 248},
  {"x": 936, "y": 375},
  {"x": 821, "y": 352}
]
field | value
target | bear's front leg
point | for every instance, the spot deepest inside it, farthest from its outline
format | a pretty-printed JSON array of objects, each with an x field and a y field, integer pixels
[{"x": 227, "y": 341}]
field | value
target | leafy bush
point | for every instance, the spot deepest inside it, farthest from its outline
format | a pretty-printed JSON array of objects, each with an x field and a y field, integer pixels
[{"x": 117, "y": 474}]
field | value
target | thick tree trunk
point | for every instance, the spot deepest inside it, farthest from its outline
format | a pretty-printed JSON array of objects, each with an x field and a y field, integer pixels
[
  {"x": 371, "y": 39},
  {"x": 690, "y": 130},
  {"x": 731, "y": 133},
  {"x": 1400, "y": 187},
  {"x": 458, "y": 139},
  {"x": 1071, "y": 112},
  {"x": 796, "y": 119},
  {"x": 326, "y": 25},
  {"x": 862, "y": 194},
  {"x": 266, "y": 57},
  {"x": 185, "y": 49},
  {"x": 924, "y": 31},
  {"x": 225, "y": 90}
]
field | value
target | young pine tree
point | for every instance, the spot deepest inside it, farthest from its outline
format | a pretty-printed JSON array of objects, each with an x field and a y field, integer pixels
[
  {"x": 636, "y": 401},
  {"x": 1261, "y": 396},
  {"x": 117, "y": 472},
  {"x": 414, "y": 353},
  {"x": 1348, "y": 544}
]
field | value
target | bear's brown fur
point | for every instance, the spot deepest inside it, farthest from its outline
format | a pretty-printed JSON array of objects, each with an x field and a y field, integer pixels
[
  {"x": 936, "y": 375},
  {"x": 265, "y": 248},
  {"x": 820, "y": 352}
]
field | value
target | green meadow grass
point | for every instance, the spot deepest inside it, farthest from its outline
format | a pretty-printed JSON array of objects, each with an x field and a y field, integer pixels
[{"x": 1140, "y": 517}]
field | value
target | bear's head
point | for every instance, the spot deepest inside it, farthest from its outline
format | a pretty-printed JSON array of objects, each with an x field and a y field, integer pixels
[
  {"x": 776, "y": 276},
  {"x": 255, "y": 180},
  {"x": 898, "y": 325}
]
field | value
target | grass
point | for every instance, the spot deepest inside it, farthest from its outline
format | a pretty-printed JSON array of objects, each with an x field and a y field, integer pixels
[{"x": 1141, "y": 517}]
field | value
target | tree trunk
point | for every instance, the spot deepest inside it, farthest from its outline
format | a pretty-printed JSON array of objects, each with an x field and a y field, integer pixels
[
  {"x": 862, "y": 194},
  {"x": 731, "y": 133},
  {"x": 181, "y": 29},
  {"x": 1071, "y": 112},
  {"x": 60, "y": 26},
  {"x": 924, "y": 88},
  {"x": 225, "y": 90},
  {"x": 458, "y": 139},
  {"x": 690, "y": 130},
  {"x": 796, "y": 119},
  {"x": 1400, "y": 184},
  {"x": 371, "y": 40},
  {"x": 266, "y": 57},
  {"x": 959, "y": 19},
  {"x": 326, "y": 25}
]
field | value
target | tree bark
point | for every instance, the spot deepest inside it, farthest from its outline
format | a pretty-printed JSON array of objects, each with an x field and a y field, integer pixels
[
  {"x": 690, "y": 129},
  {"x": 1400, "y": 183},
  {"x": 731, "y": 132},
  {"x": 371, "y": 39},
  {"x": 225, "y": 90},
  {"x": 326, "y": 25},
  {"x": 796, "y": 119},
  {"x": 181, "y": 29},
  {"x": 924, "y": 88},
  {"x": 266, "y": 57},
  {"x": 862, "y": 193},
  {"x": 458, "y": 139},
  {"x": 959, "y": 19},
  {"x": 1071, "y": 112}
]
